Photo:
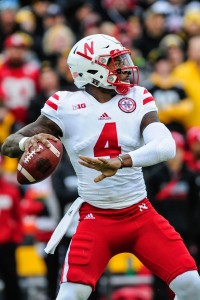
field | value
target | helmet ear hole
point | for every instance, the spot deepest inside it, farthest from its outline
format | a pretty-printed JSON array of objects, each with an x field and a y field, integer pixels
[{"x": 92, "y": 71}]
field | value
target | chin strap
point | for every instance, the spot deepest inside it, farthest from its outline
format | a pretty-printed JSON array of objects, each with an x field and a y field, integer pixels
[{"x": 123, "y": 90}]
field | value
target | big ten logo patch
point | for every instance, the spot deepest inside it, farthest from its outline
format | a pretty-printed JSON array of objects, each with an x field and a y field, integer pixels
[{"x": 79, "y": 106}]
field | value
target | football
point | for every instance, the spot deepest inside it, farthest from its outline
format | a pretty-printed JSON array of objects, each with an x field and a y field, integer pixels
[{"x": 35, "y": 166}]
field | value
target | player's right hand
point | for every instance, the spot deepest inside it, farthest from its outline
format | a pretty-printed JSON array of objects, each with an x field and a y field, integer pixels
[{"x": 35, "y": 139}]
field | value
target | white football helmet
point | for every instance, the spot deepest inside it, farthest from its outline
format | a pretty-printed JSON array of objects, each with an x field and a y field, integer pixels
[{"x": 99, "y": 60}]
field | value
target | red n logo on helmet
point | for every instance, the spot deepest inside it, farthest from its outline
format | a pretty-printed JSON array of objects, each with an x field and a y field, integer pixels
[{"x": 87, "y": 48}]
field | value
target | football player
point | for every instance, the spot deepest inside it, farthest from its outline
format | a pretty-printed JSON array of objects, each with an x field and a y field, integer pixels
[{"x": 110, "y": 129}]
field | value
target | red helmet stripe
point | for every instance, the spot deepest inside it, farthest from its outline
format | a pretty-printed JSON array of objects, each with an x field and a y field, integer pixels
[{"x": 84, "y": 55}]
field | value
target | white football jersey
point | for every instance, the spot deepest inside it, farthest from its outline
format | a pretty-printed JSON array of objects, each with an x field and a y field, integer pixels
[{"x": 104, "y": 130}]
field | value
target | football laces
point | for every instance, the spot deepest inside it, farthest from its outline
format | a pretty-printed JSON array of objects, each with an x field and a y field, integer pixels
[{"x": 31, "y": 154}]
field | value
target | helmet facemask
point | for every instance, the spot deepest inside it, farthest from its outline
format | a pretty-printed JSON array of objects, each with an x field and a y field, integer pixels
[{"x": 122, "y": 74}]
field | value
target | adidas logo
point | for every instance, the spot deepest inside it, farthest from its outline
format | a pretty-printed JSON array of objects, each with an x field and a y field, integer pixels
[
  {"x": 89, "y": 217},
  {"x": 104, "y": 117}
]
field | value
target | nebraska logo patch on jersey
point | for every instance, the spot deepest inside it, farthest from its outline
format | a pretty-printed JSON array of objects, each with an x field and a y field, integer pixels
[{"x": 127, "y": 105}]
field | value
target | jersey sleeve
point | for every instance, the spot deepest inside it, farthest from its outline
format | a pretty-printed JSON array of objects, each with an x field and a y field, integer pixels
[
  {"x": 51, "y": 109},
  {"x": 148, "y": 103}
]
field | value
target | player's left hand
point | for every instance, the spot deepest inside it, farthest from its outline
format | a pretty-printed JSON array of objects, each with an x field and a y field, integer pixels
[{"x": 108, "y": 167}]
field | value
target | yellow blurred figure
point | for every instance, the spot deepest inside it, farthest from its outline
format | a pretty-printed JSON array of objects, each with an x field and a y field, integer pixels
[{"x": 188, "y": 74}]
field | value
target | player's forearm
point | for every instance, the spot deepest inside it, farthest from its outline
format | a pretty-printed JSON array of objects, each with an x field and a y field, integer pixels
[
  {"x": 11, "y": 146},
  {"x": 153, "y": 153},
  {"x": 41, "y": 126},
  {"x": 159, "y": 146}
]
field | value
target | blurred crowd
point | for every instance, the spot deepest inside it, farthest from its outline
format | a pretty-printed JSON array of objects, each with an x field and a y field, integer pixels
[{"x": 35, "y": 39}]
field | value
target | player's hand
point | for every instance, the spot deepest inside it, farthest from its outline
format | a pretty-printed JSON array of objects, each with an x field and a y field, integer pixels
[
  {"x": 35, "y": 139},
  {"x": 108, "y": 167}
]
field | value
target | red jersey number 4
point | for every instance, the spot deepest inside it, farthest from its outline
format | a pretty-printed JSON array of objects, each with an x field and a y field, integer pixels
[{"x": 107, "y": 143}]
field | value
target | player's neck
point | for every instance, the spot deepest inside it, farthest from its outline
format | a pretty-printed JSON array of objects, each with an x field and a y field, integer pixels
[{"x": 100, "y": 94}]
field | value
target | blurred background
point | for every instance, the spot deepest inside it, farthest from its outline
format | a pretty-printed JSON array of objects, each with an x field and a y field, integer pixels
[{"x": 35, "y": 39}]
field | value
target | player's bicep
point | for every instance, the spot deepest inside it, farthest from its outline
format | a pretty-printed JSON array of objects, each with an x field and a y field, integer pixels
[
  {"x": 41, "y": 125},
  {"x": 148, "y": 118}
]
